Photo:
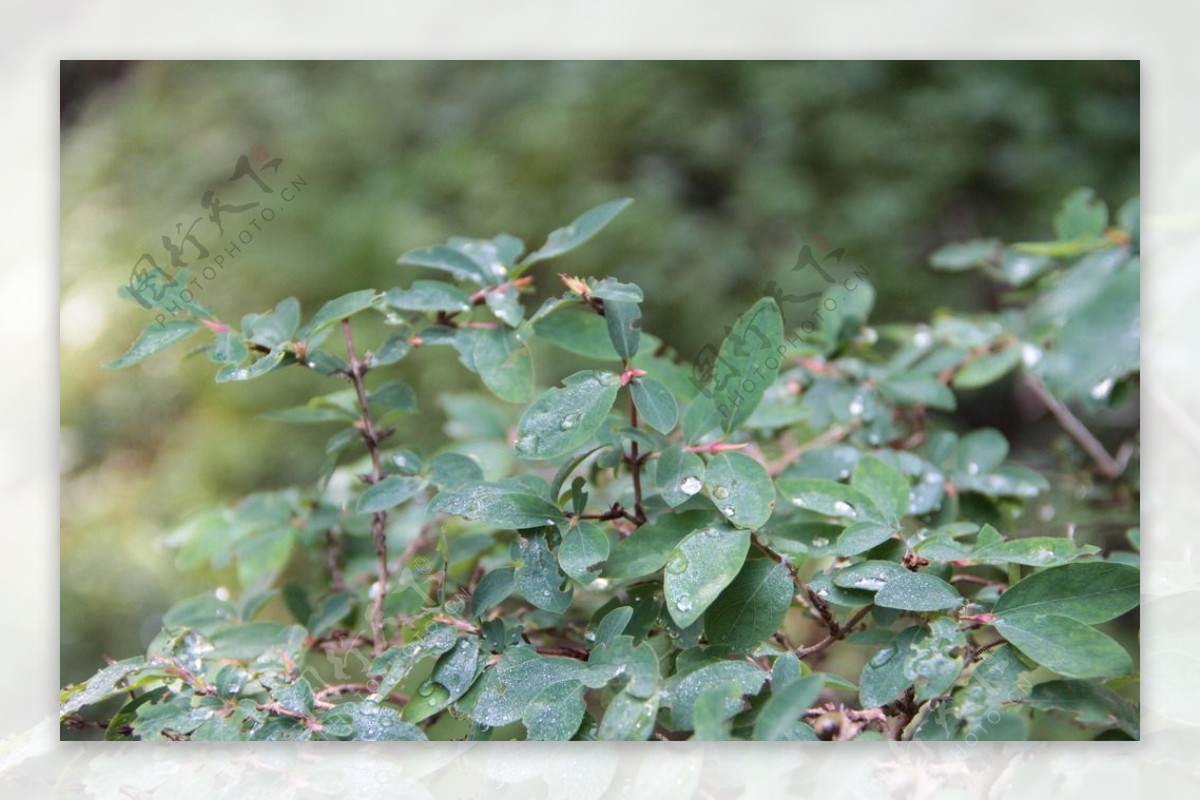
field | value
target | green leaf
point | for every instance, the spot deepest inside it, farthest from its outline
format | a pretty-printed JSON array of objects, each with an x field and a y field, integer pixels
[
  {"x": 394, "y": 395},
  {"x": 914, "y": 389},
  {"x": 917, "y": 592},
  {"x": 869, "y": 576},
  {"x": 492, "y": 589},
  {"x": 273, "y": 328},
  {"x": 371, "y": 722},
  {"x": 784, "y": 710},
  {"x": 741, "y": 489},
  {"x": 1088, "y": 703},
  {"x": 231, "y": 372},
  {"x": 752, "y": 607},
  {"x": 987, "y": 369},
  {"x": 507, "y": 688},
  {"x": 884, "y": 485},
  {"x": 153, "y": 339},
  {"x": 449, "y": 260},
  {"x": 679, "y": 475},
  {"x": 538, "y": 578},
  {"x": 622, "y": 320},
  {"x": 714, "y": 708},
  {"x": 563, "y": 419},
  {"x": 1100, "y": 343},
  {"x": 504, "y": 363},
  {"x": 829, "y": 498},
  {"x": 338, "y": 309},
  {"x": 628, "y": 718},
  {"x": 700, "y": 567},
  {"x": 577, "y": 331},
  {"x": 610, "y": 289},
  {"x": 862, "y": 537},
  {"x": 499, "y": 505},
  {"x": 1082, "y": 216},
  {"x": 555, "y": 713},
  {"x": 393, "y": 349},
  {"x": 394, "y": 664},
  {"x": 107, "y": 682},
  {"x": 506, "y": 305},
  {"x": 331, "y": 611},
  {"x": 583, "y": 228},
  {"x": 452, "y": 676},
  {"x": 683, "y": 692},
  {"x": 452, "y": 471},
  {"x": 647, "y": 549},
  {"x": 1035, "y": 551},
  {"x": 995, "y": 683},
  {"x": 935, "y": 659},
  {"x": 429, "y": 296},
  {"x": 583, "y": 551},
  {"x": 228, "y": 349},
  {"x": 747, "y": 363},
  {"x": 1089, "y": 592},
  {"x": 1063, "y": 644},
  {"x": 883, "y": 679},
  {"x": 966, "y": 255},
  {"x": 655, "y": 404},
  {"x": 249, "y": 641},
  {"x": 388, "y": 494}
]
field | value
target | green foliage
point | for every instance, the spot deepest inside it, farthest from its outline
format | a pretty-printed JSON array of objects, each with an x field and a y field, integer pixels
[{"x": 628, "y": 572}]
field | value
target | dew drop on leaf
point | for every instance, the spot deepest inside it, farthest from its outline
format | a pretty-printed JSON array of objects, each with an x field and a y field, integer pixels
[
  {"x": 690, "y": 485},
  {"x": 678, "y": 563},
  {"x": 720, "y": 493},
  {"x": 844, "y": 509}
]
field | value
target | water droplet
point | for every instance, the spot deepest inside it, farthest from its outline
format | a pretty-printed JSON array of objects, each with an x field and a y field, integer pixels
[
  {"x": 1043, "y": 555},
  {"x": 797, "y": 501},
  {"x": 922, "y": 338},
  {"x": 873, "y": 439},
  {"x": 822, "y": 593},
  {"x": 932, "y": 478},
  {"x": 589, "y": 635},
  {"x": 549, "y": 522},
  {"x": 222, "y": 593},
  {"x": 710, "y": 532},
  {"x": 426, "y": 689},
  {"x": 856, "y": 407},
  {"x": 820, "y": 542},
  {"x": 690, "y": 485},
  {"x": 843, "y": 473},
  {"x": 720, "y": 493},
  {"x": 569, "y": 421},
  {"x": 844, "y": 509},
  {"x": 1101, "y": 390},
  {"x": 728, "y": 511},
  {"x": 683, "y": 603},
  {"x": 1030, "y": 354},
  {"x": 678, "y": 563},
  {"x": 528, "y": 443}
]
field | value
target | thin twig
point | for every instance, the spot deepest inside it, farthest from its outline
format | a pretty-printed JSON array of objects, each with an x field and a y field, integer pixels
[
  {"x": 836, "y": 632},
  {"x": 355, "y": 373},
  {"x": 1109, "y": 467}
]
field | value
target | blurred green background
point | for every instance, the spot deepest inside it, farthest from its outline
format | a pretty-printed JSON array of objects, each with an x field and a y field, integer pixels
[{"x": 732, "y": 165}]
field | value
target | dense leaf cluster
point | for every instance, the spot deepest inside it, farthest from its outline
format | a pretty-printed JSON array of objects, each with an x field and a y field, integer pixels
[{"x": 652, "y": 548}]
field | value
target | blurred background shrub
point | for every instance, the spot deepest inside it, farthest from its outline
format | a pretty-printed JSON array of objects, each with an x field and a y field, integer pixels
[{"x": 732, "y": 165}]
